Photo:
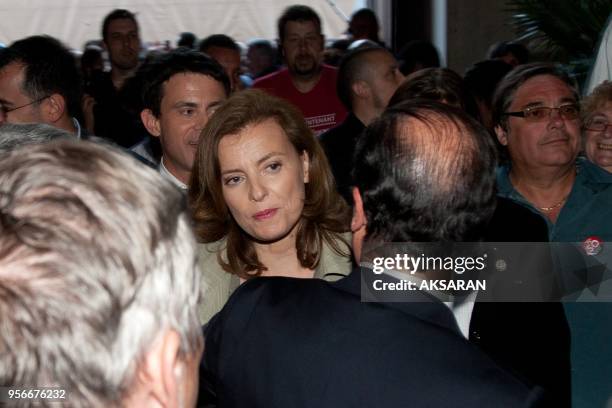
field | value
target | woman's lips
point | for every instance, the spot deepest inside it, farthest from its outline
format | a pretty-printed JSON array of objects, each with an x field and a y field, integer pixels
[{"x": 265, "y": 214}]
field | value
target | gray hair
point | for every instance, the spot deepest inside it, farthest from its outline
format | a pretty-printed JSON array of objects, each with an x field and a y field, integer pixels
[
  {"x": 13, "y": 135},
  {"x": 97, "y": 258}
]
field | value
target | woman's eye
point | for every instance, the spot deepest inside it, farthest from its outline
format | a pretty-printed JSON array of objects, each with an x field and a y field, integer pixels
[
  {"x": 274, "y": 166},
  {"x": 232, "y": 180}
]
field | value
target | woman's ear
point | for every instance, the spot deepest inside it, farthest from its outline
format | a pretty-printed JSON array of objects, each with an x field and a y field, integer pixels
[{"x": 306, "y": 165}]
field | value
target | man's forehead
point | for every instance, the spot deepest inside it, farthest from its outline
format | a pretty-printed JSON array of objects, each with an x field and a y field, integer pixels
[
  {"x": 122, "y": 25},
  {"x": 301, "y": 27},
  {"x": 184, "y": 82},
  {"x": 12, "y": 70},
  {"x": 12, "y": 75},
  {"x": 539, "y": 87}
]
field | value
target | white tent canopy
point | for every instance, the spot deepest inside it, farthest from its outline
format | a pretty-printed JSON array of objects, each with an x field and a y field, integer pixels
[{"x": 76, "y": 21}]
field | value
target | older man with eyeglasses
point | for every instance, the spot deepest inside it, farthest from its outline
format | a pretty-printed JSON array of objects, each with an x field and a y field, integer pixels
[{"x": 537, "y": 118}]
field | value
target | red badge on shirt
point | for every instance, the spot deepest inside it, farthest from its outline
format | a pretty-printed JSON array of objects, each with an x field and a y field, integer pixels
[{"x": 592, "y": 245}]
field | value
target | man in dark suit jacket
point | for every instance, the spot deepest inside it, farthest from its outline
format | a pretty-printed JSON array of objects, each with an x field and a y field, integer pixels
[
  {"x": 530, "y": 338},
  {"x": 424, "y": 172}
]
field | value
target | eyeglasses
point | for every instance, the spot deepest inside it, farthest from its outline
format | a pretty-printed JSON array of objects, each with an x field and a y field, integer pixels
[
  {"x": 598, "y": 125},
  {"x": 569, "y": 111},
  {"x": 6, "y": 110}
]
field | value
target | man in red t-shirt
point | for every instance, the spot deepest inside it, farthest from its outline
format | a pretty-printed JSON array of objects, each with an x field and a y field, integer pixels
[{"x": 306, "y": 82}]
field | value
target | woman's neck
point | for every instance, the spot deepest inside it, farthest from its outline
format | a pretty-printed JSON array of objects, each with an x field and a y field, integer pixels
[{"x": 280, "y": 258}]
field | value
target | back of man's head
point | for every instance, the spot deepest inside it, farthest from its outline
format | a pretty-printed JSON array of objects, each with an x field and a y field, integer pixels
[
  {"x": 13, "y": 135},
  {"x": 354, "y": 67},
  {"x": 437, "y": 84},
  {"x": 49, "y": 67},
  {"x": 161, "y": 68},
  {"x": 299, "y": 13},
  {"x": 263, "y": 47},
  {"x": 187, "y": 39},
  {"x": 425, "y": 172},
  {"x": 261, "y": 56},
  {"x": 98, "y": 266},
  {"x": 364, "y": 24},
  {"x": 519, "y": 53},
  {"x": 418, "y": 54},
  {"x": 220, "y": 41},
  {"x": 482, "y": 78}
]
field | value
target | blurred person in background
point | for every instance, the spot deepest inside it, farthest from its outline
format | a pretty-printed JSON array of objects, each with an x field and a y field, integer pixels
[
  {"x": 416, "y": 55},
  {"x": 226, "y": 52},
  {"x": 114, "y": 114},
  {"x": 306, "y": 82},
  {"x": 367, "y": 78},
  {"x": 261, "y": 58},
  {"x": 597, "y": 120}
]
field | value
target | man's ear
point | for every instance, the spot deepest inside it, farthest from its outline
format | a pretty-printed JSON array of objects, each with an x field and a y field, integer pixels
[
  {"x": 53, "y": 108},
  {"x": 361, "y": 89},
  {"x": 502, "y": 134},
  {"x": 359, "y": 219},
  {"x": 150, "y": 122},
  {"x": 161, "y": 371}
]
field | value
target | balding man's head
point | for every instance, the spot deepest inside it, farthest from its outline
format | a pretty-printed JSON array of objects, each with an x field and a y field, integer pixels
[{"x": 425, "y": 172}]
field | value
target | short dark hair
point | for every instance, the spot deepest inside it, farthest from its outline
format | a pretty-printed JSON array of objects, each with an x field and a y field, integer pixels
[
  {"x": 482, "y": 78},
  {"x": 367, "y": 14},
  {"x": 350, "y": 71},
  {"x": 264, "y": 47},
  {"x": 159, "y": 69},
  {"x": 49, "y": 67},
  {"x": 504, "y": 94},
  {"x": 502, "y": 48},
  {"x": 418, "y": 54},
  {"x": 299, "y": 13},
  {"x": 426, "y": 172},
  {"x": 117, "y": 14},
  {"x": 218, "y": 40},
  {"x": 187, "y": 39},
  {"x": 437, "y": 84}
]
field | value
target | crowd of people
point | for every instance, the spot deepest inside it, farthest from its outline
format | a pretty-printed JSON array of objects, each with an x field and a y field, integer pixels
[{"x": 195, "y": 226}]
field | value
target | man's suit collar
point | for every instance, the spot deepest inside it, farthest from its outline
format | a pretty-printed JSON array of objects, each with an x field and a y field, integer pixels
[{"x": 419, "y": 304}]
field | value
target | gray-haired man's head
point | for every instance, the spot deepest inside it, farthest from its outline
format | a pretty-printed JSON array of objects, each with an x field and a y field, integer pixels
[{"x": 98, "y": 278}]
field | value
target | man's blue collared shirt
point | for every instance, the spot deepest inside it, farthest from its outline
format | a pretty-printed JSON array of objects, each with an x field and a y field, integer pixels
[{"x": 587, "y": 211}]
